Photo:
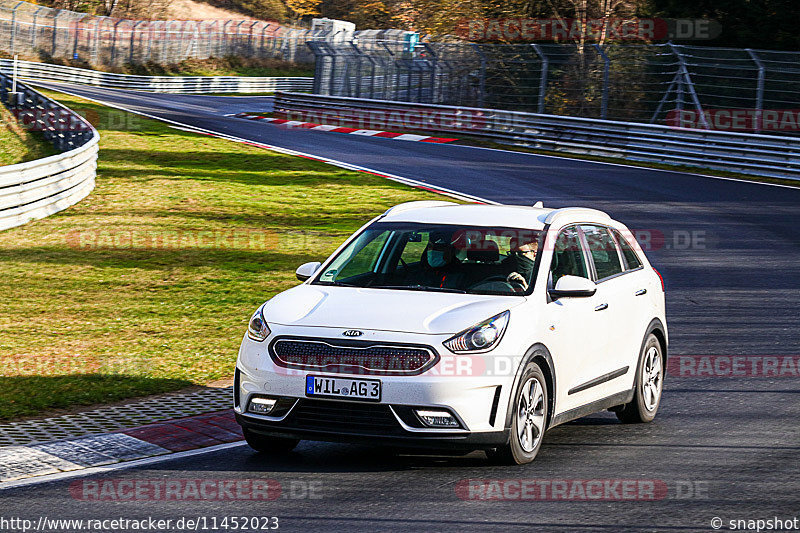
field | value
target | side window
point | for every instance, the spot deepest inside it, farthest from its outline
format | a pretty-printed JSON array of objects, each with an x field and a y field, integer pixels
[
  {"x": 630, "y": 255},
  {"x": 568, "y": 258},
  {"x": 363, "y": 261},
  {"x": 412, "y": 252},
  {"x": 604, "y": 251}
]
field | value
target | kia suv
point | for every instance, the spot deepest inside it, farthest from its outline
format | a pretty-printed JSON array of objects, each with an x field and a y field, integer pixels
[{"x": 457, "y": 326}]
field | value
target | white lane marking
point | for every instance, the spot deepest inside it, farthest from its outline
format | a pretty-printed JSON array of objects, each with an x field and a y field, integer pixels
[
  {"x": 325, "y": 127},
  {"x": 59, "y": 476},
  {"x": 366, "y": 132},
  {"x": 341, "y": 164},
  {"x": 411, "y": 137}
]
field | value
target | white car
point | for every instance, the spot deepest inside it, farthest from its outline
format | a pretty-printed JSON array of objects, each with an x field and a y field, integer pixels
[{"x": 449, "y": 326}]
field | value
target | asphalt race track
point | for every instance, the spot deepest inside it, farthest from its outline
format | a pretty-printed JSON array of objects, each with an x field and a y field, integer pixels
[{"x": 723, "y": 446}]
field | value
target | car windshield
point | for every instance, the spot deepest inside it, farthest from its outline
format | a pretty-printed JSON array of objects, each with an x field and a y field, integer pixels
[{"x": 437, "y": 258}]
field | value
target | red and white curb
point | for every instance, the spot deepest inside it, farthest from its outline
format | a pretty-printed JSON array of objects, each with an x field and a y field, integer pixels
[
  {"x": 161, "y": 438},
  {"x": 341, "y": 129}
]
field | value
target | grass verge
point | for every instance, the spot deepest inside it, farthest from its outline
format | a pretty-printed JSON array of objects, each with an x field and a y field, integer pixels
[
  {"x": 146, "y": 286},
  {"x": 17, "y": 144}
]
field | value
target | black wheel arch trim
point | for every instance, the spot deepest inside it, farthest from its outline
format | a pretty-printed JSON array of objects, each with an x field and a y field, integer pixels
[
  {"x": 537, "y": 350},
  {"x": 655, "y": 325}
]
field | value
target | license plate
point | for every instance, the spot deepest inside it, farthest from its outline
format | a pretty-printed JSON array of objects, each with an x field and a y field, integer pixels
[{"x": 344, "y": 388}]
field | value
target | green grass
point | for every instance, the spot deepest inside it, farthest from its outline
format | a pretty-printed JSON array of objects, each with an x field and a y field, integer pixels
[
  {"x": 123, "y": 294},
  {"x": 18, "y": 145}
]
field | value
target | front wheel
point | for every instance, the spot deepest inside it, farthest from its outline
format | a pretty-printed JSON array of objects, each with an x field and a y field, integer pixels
[
  {"x": 649, "y": 384},
  {"x": 267, "y": 444},
  {"x": 528, "y": 419}
]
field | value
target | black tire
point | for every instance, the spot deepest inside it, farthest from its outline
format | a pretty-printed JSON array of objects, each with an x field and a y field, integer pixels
[
  {"x": 648, "y": 385},
  {"x": 519, "y": 450},
  {"x": 267, "y": 444}
]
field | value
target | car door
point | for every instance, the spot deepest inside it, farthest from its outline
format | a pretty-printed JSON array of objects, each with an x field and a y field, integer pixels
[
  {"x": 613, "y": 312},
  {"x": 634, "y": 287},
  {"x": 575, "y": 328}
]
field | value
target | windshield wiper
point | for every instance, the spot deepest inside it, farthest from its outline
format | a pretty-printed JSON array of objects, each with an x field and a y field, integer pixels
[
  {"x": 340, "y": 284},
  {"x": 418, "y": 288}
]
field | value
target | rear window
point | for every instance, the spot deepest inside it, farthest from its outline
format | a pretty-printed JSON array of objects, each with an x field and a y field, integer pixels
[
  {"x": 603, "y": 250},
  {"x": 627, "y": 251}
]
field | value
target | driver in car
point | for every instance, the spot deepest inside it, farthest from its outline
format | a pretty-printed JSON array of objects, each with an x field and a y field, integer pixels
[{"x": 520, "y": 261}]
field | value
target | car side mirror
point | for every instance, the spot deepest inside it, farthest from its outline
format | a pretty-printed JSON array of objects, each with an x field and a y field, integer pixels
[
  {"x": 306, "y": 270},
  {"x": 573, "y": 287}
]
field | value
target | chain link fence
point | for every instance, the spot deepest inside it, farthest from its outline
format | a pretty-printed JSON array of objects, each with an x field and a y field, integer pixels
[
  {"x": 687, "y": 86},
  {"x": 37, "y": 32}
]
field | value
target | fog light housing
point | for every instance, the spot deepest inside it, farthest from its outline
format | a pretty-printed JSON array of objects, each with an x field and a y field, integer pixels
[
  {"x": 437, "y": 419},
  {"x": 261, "y": 406}
]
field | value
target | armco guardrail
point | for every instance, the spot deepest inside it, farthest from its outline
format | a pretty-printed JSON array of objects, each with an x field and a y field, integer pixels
[
  {"x": 760, "y": 155},
  {"x": 40, "y": 188},
  {"x": 45, "y": 72}
]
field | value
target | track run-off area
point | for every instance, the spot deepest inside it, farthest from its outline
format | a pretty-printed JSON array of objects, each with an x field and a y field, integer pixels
[{"x": 725, "y": 444}]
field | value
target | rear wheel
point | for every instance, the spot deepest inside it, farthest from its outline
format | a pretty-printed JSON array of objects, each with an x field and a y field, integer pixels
[
  {"x": 267, "y": 444},
  {"x": 528, "y": 419},
  {"x": 649, "y": 384}
]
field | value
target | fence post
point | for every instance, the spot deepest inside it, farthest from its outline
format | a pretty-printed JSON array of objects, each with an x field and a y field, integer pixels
[
  {"x": 35, "y": 29},
  {"x": 75, "y": 40},
  {"x": 759, "y": 90},
  {"x": 14, "y": 26},
  {"x": 133, "y": 39},
  {"x": 55, "y": 32},
  {"x": 604, "y": 98},
  {"x": 543, "y": 79},
  {"x": 482, "y": 79},
  {"x": 689, "y": 85},
  {"x": 96, "y": 42}
]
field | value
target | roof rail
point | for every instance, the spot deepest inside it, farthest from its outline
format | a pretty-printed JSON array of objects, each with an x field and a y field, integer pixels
[
  {"x": 419, "y": 204},
  {"x": 574, "y": 212}
]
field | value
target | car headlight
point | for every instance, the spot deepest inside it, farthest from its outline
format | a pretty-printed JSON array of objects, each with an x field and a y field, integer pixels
[
  {"x": 481, "y": 337},
  {"x": 257, "y": 329}
]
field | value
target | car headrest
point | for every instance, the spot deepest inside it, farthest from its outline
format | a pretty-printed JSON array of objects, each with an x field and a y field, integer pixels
[{"x": 485, "y": 251}]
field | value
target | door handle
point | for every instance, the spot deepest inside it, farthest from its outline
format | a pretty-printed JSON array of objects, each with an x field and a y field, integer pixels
[
  {"x": 601, "y": 307},
  {"x": 640, "y": 292}
]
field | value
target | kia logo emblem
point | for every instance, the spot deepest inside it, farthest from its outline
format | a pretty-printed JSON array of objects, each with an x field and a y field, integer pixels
[{"x": 353, "y": 333}]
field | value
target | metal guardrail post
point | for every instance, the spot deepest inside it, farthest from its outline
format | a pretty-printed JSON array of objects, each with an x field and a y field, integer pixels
[
  {"x": 606, "y": 67},
  {"x": 543, "y": 78},
  {"x": 759, "y": 90}
]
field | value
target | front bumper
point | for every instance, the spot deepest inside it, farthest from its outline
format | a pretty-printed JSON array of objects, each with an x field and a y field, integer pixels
[
  {"x": 470, "y": 387},
  {"x": 433, "y": 440}
]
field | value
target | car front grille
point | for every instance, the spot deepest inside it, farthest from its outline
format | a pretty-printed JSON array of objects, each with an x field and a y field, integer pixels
[
  {"x": 344, "y": 417},
  {"x": 352, "y": 357}
]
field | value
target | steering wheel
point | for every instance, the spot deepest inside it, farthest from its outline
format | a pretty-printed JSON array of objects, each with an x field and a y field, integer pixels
[{"x": 494, "y": 279}]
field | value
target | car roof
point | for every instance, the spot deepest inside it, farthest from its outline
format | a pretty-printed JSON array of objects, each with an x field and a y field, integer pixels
[{"x": 483, "y": 215}]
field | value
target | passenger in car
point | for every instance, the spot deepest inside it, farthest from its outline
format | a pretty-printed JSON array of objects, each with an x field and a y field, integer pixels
[
  {"x": 440, "y": 266},
  {"x": 519, "y": 262}
]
